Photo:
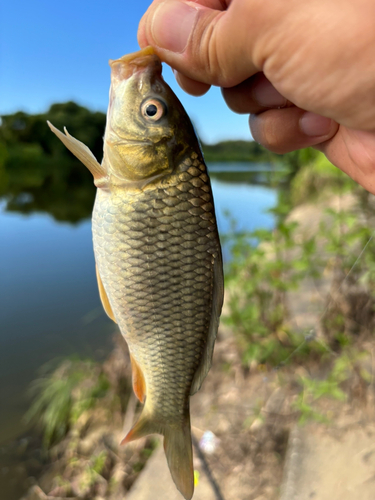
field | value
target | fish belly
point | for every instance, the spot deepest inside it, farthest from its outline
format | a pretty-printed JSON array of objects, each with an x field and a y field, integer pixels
[{"x": 155, "y": 249}]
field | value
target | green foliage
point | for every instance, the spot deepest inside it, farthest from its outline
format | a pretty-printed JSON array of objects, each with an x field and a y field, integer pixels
[
  {"x": 241, "y": 151},
  {"x": 266, "y": 265},
  {"x": 138, "y": 466},
  {"x": 258, "y": 277},
  {"x": 37, "y": 172},
  {"x": 297, "y": 159},
  {"x": 313, "y": 390},
  {"x": 98, "y": 462},
  {"x": 317, "y": 174},
  {"x": 349, "y": 248},
  {"x": 150, "y": 446},
  {"x": 346, "y": 233},
  {"x": 61, "y": 397}
]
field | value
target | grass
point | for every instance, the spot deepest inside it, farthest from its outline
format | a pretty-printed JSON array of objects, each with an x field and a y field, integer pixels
[{"x": 61, "y": 397}]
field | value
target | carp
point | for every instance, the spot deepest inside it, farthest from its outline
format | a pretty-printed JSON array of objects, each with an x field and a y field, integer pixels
[{"x": 157, "y": 250}]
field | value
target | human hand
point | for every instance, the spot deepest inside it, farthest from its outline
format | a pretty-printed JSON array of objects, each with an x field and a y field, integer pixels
[{"x": 318, "y": 55}]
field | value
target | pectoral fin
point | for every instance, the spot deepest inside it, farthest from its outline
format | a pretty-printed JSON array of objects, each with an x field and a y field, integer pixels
[
  {"x": 81, "y": 151},
  {"x": 139, "y": 384},
  {"x": 217, "y": 304},
  {"x": 103, "y": 296}
]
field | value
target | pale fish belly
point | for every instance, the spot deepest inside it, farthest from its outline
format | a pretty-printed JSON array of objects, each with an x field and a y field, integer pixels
[{"x": 155, "y": 250}]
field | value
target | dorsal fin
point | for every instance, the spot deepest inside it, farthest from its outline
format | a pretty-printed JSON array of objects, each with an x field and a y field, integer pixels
[
  {"x": 217, "y": 304},
  {"x": 81, "y": 151},
  {"x": 104, "y": 297}
]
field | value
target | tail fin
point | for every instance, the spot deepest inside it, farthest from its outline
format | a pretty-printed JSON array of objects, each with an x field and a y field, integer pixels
[
  {"x": 177, "y": 447},
  {"x": 179, "y": 453}
]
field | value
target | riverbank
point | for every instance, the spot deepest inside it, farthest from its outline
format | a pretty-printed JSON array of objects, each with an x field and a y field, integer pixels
[{"x": 248, "y": 406}]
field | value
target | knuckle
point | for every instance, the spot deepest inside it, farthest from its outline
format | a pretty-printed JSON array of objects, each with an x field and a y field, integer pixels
[
  {"x": 210, "y": 60},
  {"x": 240, "y": 101},
  {"x": 206, "y": 43}
]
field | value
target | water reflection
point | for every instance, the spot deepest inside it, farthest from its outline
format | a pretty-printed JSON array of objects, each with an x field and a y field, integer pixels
[
  {"x": 37, "y": 173},
  {"x": 69, "y": 197}
]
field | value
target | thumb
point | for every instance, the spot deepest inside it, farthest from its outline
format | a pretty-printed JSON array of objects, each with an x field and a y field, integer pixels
[{"x": 206, "y": 44}]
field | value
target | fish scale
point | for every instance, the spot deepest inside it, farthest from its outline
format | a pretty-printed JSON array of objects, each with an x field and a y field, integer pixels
[{"x": 165, "y": 294}]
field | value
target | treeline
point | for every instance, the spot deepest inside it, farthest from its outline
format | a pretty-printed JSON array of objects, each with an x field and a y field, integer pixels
[
  {"x": 37, "y": 172},
  {"x": 232, "y": 151}
]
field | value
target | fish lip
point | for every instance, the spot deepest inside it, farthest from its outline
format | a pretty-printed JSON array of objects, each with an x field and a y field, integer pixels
[
  {"x": 131, "y": 58},
  {"x": 129, "y": 64}
]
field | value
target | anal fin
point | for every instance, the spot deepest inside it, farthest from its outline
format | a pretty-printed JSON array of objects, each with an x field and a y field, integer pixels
[
  {"x": 139, "y": 384},
  {"x": 103, "y": 296}
]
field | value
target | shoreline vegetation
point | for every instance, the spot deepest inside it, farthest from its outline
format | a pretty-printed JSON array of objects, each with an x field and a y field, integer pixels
[
  {"x": 32, "y": 161},
  {"x": 294, "y": 345}
]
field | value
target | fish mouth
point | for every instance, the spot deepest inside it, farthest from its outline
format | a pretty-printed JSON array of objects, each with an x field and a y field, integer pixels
[
  {"x": 122, "y": 141},
  {"x": 142, "y": 60}
]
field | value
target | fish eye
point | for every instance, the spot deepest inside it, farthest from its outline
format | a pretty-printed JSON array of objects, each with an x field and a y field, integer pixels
[{"x": 153, "y": 110}]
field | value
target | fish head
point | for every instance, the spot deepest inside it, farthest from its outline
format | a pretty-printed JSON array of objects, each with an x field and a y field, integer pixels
[{"x": 147, "y": 130}]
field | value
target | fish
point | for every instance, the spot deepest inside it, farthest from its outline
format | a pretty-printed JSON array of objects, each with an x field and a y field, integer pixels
[{"x": 157, "y": 250}]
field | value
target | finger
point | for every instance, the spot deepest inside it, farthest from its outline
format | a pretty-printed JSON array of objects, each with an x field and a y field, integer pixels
[
  {"x": 210, "y": 4},
  {"x": 198, "y": 40},
  {"x": 285, "y": 130},
  {"x": 254, "y": 95},
  {"x": 353, "y": 151},
  {"x": 142, "y": 28},
  {"x": 191, "y": 86}
]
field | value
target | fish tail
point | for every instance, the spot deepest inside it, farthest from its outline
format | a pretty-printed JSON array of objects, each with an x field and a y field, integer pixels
[
  {"x": 177, "y": 447},
  {"x": 179, "y": 453}
]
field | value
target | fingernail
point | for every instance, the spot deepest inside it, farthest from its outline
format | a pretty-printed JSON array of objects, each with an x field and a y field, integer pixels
[
  {"x": 314, "y": 125},
  {"x": 172, "y": 24},
  {"x": 266, "y": 95}
]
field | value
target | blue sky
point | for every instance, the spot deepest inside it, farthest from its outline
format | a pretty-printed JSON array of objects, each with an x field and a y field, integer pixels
[{"x": 54, "y": 51}]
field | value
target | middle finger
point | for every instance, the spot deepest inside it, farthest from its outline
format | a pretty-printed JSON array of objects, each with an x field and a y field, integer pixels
[{"x": 254, "y": 95}]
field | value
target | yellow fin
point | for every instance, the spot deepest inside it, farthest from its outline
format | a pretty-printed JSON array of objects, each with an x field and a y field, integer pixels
[
  {"x": 139, "y": 384},
  {"x": 103, "y": 296},
  {"x": 179, "y": 453},
  {"x": 81, "y": 151}
]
